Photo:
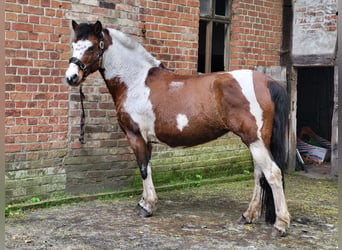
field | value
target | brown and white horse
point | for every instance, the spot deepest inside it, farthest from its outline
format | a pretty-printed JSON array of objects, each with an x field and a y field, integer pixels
[{"x": 155, "y": 105}]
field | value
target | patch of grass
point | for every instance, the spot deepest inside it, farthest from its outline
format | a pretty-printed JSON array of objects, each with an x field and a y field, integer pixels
[
  {"x": 34, "y": 200},
  {"x": 173, "y": 176},
  {"x": 199, "y": 178},
  {"x": 62, "y": 199}
]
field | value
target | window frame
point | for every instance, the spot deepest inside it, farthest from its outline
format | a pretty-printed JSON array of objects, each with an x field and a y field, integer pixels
[{"x": 210, "y": 18}]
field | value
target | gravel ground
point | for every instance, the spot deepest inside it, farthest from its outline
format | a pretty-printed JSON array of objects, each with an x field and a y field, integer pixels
[{"x": 196, "y": 218}]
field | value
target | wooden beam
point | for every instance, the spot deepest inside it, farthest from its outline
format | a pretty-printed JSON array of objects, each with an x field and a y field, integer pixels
[
  {"x": 292, "y": 129},
  {"x": 334, "y": 130},
  {"x": 313, "y": 60},
  {"x": 208, "y": 46}
]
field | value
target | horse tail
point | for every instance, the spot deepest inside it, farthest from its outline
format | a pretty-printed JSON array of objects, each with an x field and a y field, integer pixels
[{"x": 277, "y": 146}]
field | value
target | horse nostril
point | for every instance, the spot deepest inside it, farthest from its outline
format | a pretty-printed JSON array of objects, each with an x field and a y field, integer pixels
[{"x": 72, "y": 80}]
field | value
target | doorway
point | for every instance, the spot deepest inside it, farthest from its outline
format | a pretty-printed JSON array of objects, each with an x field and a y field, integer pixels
[{"x": 315, "y": 99}]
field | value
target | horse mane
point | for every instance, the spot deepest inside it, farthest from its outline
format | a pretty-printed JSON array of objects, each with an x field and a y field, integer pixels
[
  {"x": 125, "y": 40},
  {"x": 132, "y": 44}
]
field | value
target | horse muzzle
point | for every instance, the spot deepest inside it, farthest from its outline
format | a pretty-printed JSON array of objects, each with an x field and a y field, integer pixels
[
  {"x": 73, "y": 75},
  {"x": 73, "y": 80}
]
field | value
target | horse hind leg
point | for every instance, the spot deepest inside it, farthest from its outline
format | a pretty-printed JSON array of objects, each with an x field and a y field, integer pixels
[
  {"x": 264, "y": 164},
  {"x": 254, "y": 209}
]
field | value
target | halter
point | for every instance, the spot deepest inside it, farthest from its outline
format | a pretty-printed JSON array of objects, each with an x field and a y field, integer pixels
[{"x": 85, "y": 68}]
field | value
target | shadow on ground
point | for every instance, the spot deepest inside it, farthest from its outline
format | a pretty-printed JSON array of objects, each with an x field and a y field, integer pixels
[{"x": 197, "y": 218}]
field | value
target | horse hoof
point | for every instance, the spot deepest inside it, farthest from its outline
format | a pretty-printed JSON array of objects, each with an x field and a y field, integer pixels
[
  {"x": 278, "y": 233},
  {"x": 142, "y": 212},
  {"x": 242, "y": 220}
]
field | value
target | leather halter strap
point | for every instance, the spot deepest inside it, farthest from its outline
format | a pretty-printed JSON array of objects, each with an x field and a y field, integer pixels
[
  {"x": 82, "y": 121},
  {"x": 86, "y": 72},
  {"x": 85, "y": 68}
]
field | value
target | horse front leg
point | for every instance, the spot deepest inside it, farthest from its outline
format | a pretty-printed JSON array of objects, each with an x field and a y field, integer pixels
[
  {"x": 148, "y": 201},
  {"x": 142, "y": 151}
]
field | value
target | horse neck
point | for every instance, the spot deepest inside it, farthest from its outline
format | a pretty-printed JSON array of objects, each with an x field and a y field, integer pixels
[{"x": 127, "y": 60}]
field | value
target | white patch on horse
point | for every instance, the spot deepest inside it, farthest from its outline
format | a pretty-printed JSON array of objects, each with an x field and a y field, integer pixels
[
  {"x": 245, "y": 80},
  {"x": 149, "y": 199},
  {"x": 175, "y": 85},
  {"x": 127, "y": 59},
  {"x": 71, "y": 71},
  {"x": 79, "y": 49},
  {"x": 182, "y": 121},
  {"x": 263, "y": 161}
]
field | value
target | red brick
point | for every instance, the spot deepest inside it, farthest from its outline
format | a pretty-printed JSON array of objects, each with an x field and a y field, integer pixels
[
  {"x": 32, "y": 45},
  {"x": 32, "y": 147},
  {"x": 21, "y": 129},
  {"x": 10, "y": 148},
  {"x": 32, "y": 121},
  {"x": 45, "y": 3},
  {"x": 43, "y": 129},
  {"x": 42, "y": 104},
  {"x": 20, "y": 96},
  {"x": 32, "y": 79},
  {"x": 13, "y": 7},
  {"x": 22, "y": 27},
  {"x": 50, "y": 12},
  {"x": 43, "y": 137},
  {"x": 32, "y": 112},
  {"x": 12, "y": 112},
  {"x": 34, "y": 2},
  {"x": 43, "y": 28}
]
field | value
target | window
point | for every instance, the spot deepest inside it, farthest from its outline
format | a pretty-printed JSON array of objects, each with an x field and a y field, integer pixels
[{"x": 213, "y": 30}]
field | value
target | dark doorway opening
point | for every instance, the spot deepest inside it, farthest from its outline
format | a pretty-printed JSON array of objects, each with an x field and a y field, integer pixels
[{"x": 315, "y": 99}]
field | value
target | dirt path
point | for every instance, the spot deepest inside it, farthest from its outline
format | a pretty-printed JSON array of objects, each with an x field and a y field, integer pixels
[{"x": 196, "y": 218}]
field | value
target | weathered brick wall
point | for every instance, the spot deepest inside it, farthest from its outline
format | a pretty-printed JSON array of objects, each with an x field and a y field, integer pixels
[
  {"x": 36, "y": 124},
  {"x": 256, "y": 33},
  {"x": 223, "y": 157},
  {"x": 105, "y": 162},
  {"x": 170, "y": 32},
  {"x": 314, "y": 31},
  {"x": 43, "y": 155},
  {"x": 168, "y": 29}
]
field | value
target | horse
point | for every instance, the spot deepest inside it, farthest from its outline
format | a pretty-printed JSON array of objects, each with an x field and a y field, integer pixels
[{"x": 156, "y": 105}]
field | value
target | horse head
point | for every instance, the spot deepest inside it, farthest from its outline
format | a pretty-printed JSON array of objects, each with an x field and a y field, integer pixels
[{"x": 88, "y": 47}]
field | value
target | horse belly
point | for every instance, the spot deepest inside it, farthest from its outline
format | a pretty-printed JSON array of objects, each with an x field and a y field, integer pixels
[{"x": 186, "y": 131}]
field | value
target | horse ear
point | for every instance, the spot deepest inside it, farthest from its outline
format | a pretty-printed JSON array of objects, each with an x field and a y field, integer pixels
[
  {"x": 74, "y": 25},
  {"x": 98, "y": 27}
]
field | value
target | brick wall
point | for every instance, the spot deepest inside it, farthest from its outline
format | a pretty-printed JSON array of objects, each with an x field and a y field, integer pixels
[
  {"x": 105, "y": 162},
  {"x": 256, "y": 33},
  {"x": 170, "y": 32},
  {"x": 314, "y": 32},
  {"x": 36, "y": 124},
  {"x": 43, "y": 155},
  {"x": 168, "y": 29}
]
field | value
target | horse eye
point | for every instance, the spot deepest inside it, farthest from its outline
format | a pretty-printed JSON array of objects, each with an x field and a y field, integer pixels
[{"x": 91, "y": 48}]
